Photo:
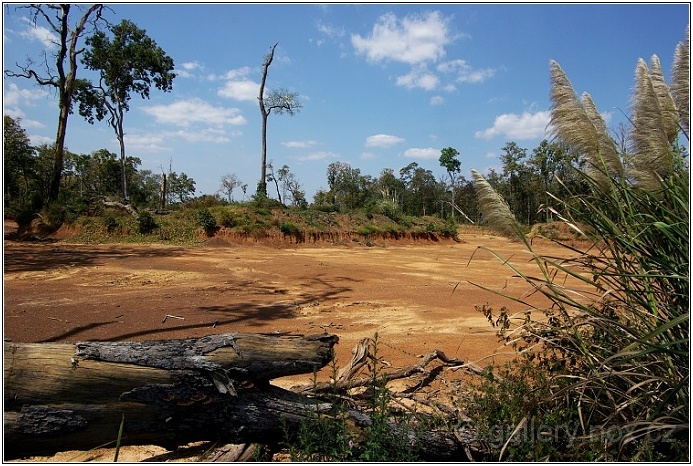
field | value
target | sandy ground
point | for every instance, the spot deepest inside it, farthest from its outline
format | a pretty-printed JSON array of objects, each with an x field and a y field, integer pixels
[{"x": 417, "y": 296}]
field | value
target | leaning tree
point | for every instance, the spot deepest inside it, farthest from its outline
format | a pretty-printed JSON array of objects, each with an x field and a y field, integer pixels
[{"x": 62, "y": 77}]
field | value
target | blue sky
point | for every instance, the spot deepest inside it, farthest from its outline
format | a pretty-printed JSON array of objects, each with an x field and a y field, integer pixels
[{"x": 382, "y": 85}]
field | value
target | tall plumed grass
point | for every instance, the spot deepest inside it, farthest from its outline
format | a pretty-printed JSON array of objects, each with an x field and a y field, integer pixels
[{"x": 615, "y": 344}]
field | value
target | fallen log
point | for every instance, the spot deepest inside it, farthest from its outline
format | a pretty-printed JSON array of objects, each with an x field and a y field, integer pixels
[
  {"x": 127, "y": 207},
  {"x": 171, "y": 392},
  {"x": 174, "y": 392}
]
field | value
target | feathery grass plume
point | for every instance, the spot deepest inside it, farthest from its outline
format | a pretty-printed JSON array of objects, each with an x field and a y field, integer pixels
[
  {"x": 680, "y": 82},
  {"x": 651, "y": 150},
  {"x": 572, "y": 124},
  {"x": 494, "y": 210},
  {"x": 610, "y": 159},
  {"x": 669, "y": 115}
]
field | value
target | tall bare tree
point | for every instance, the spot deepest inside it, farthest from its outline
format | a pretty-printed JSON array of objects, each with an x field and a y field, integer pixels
[
  {"x": 279, "y": 100},
  {"x": 63, "y": 77}
]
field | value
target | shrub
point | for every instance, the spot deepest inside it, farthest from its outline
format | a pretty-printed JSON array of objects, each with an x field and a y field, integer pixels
[
  {"x": 367, "y": 230},
  {"x": 110, "y": 223},
  {"x": 390, "y": 209},
  {"x": 289, "y": 228},
  {"x": 227, "y": 219},
  {"x": 145, "y": 222},
  {"x": 206, "y": 220}
]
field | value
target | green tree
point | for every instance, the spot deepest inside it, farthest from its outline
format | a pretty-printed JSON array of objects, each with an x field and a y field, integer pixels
[
  {"x": 279, "y": 100},
  {"x": 519, "y": 190},
  {"x": 448, "y": 160},
  {"x": 556, "y": 169},
  {"x": 63, "y": 78},
  {"x": 145, "y": 188},
  {"x": 180, "y": 187},
  {"x": 348, "y": 188},
  {"x": 130, "y": 62},
  {"x": 423, "y": 192},
  {"x": 18, "y": 162}
]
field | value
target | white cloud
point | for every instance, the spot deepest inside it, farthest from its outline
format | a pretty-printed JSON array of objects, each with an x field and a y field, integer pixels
[
  {"x": 187, "y": 112},
  {"x": 383, "y": 140},
  {"x": 464, "y": 73},
  {"x": 437, "y": 100},
  {"x": 207, "y": 135},
  {"x": 412, "y": 39},
  {"x": 330, "y": 31},
  {"x": 240, "y": 90},
  {"x": 421, "y": 153},
  {"x": 317, "y": 156},
  {"x": 367, "y": 155},
  {"x": 238, "y": 86},
  {"x": 161, "y": 141},
  {"x": 299, "y": 144},
  {"x": 14, "y": 99},
  {"x": 419, "y": 77},
  {"x": 38, "y": 140},
  {"x": 186, "y": 69},
  {"x": 15, "y": 96},
  {"x": 146, "y": 142},
  {"x": 525, "y": 126},
  {"x": 39, "y": 33}
]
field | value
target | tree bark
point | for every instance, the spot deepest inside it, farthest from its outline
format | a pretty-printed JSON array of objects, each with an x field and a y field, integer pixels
[{"x": 171, "y": 392}]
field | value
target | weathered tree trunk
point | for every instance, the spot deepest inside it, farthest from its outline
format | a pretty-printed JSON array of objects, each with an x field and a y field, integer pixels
[
  {"x": 129, "y": 208},
  {"x": 162, "y": 194},
  {"x": 173, "y": 392},
  {"x": 170, "y": 393}
]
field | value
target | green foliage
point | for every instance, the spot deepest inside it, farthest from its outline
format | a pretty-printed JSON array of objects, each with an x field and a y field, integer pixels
[
  {"x": 389, "y": 209},
  {"x": 204, "y": 201},
  {"x": 18, "y": 163},
  {"x": 289, "y": 228},
  {"x": 367, "y": 230},
  {"x": 206, "y": 220},
  {"x": 145, "y": 222},
  {"x": 227, "y": 218},
  {"x": 448, "y": 160},
  {"x": 110, "y": 223}
]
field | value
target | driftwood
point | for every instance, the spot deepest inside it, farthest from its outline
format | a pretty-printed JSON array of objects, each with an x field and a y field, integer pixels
[
  {"x": 346, "y": 377},
  {"x": 173, "y": 392}
]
